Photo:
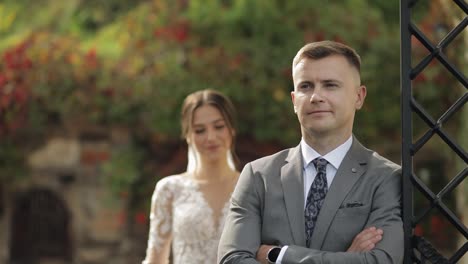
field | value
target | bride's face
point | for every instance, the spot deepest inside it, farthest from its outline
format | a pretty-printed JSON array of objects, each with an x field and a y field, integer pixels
[{"x": 210, "y": 134}]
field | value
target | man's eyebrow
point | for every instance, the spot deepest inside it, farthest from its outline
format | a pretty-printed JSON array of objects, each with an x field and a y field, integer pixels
[{"x": 332, "y": 81}]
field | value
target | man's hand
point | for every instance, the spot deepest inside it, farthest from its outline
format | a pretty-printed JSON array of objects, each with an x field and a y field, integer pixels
[
  {"x": 262, "y": 253},
  {"x": 366, "y": 240}
]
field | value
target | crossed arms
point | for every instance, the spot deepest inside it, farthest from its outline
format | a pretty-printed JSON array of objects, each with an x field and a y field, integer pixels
[{"x": 258, "y": 219}]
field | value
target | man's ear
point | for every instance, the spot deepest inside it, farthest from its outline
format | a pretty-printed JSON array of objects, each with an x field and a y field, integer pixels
[
  {"x": 361, "y": 96},
  {"x": 292, "y": 99}
]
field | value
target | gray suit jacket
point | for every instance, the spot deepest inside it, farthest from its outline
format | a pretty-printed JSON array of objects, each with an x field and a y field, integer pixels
[{"x": 267, "y": 207}]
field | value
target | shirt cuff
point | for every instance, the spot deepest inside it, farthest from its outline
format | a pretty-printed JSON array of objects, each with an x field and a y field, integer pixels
[{"x": 281, "y": 254}]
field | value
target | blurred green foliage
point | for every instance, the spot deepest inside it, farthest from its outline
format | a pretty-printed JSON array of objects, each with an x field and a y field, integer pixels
[
  {"x": 131, "y": 63},
  {"x": 122, "y": 169}
]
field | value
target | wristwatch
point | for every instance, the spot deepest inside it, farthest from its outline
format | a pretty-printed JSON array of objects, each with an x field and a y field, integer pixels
[{"x": 273, "y": 254}]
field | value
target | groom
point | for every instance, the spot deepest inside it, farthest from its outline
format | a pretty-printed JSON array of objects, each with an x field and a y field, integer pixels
[{"x": 328, "y": 200}]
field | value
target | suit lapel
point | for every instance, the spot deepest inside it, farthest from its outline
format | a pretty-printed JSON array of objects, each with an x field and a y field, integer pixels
[
  {"x": 351, "y": 168},
  {"x": 293, "y": 186}
]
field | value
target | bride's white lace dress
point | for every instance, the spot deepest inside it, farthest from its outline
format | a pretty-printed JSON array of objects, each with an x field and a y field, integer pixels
[{"x": 179, "y": 209}]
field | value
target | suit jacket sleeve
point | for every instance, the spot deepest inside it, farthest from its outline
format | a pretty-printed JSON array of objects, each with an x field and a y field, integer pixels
[{"x": 241, "y": 236}]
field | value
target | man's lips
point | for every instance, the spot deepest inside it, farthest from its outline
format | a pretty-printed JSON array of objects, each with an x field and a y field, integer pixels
[{"x": 317, "y": 112}]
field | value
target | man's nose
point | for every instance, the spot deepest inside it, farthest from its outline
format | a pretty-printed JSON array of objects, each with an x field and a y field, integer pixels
[{"x": 316, "y": 95}]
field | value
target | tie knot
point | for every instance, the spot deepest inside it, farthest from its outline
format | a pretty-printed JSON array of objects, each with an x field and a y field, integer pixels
[{"x": 320, "y": 164}]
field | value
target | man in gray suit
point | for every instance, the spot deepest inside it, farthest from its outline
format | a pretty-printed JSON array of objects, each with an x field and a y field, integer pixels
[{"x": 328, "y": 200}]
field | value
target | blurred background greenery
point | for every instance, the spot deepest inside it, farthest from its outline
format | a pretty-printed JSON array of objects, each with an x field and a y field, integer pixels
[
  {"x": 127, "y": 65},
  {"x": 130, "y": 63}
]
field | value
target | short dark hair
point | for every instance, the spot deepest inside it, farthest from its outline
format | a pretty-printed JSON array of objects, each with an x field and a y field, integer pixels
[{"x": 322, "y": 49}]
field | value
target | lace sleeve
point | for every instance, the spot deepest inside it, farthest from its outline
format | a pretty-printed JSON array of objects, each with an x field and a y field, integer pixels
[{"x": 160, "y": 231}]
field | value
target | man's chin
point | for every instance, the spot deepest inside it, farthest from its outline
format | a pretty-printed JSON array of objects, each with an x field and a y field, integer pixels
[{"x": 318, "y": 128}]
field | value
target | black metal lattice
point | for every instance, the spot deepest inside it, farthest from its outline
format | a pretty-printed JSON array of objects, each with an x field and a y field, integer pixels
[{"x": 417, "y": 248}]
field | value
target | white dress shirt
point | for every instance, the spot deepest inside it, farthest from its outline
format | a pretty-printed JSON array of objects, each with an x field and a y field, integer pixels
[{"x": 334, "y": 158}]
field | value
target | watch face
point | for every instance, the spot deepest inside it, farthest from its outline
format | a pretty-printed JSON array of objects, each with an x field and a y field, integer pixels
[{"x": 273, "y": 254}]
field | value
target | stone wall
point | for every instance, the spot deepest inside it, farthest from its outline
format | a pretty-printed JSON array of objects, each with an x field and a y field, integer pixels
[{"x": 71, "y": 169}]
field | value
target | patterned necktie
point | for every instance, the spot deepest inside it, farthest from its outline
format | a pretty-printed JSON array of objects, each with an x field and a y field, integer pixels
[{"x": 317, "y": 192}]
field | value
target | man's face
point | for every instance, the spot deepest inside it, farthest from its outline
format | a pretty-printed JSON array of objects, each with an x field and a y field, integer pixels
[{"x": 327, "y": 92}]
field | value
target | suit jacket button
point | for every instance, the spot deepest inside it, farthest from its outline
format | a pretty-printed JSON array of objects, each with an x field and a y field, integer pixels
[{"x": 354, "y": 170}]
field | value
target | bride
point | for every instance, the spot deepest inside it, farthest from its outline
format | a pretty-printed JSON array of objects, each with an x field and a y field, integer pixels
[{"x": 188, "y": 210}]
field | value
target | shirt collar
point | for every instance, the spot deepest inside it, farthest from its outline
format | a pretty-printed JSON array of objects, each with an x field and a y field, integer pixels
[{"x": 334, "y": 157}]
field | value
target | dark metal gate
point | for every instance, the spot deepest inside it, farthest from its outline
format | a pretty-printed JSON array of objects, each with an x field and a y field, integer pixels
[{"x": 417, "y": 248}]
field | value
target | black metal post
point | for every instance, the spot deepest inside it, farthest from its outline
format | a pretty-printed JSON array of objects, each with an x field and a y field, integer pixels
[
  {"x": 417, "y": 248},
  {"x": 406, "y": 126}
]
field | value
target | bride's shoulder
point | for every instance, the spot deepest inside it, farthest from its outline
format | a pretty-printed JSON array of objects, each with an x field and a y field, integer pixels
[{"x": 172, "y": 180}]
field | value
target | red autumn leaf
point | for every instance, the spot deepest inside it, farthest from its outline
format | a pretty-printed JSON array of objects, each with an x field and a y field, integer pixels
[
  {"x": 27, "y": 63},
  {"x": 418, "y": 230},
  {"x": 180, "y": 32},
  {"x": 140, "y": 218},
  {"x": 3, "y": 80}
]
